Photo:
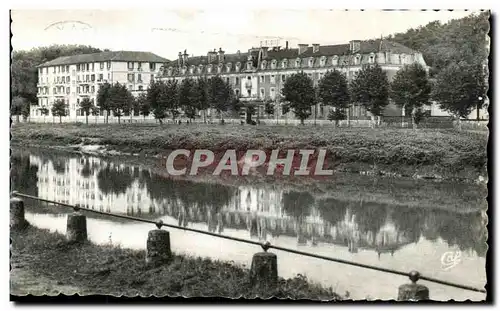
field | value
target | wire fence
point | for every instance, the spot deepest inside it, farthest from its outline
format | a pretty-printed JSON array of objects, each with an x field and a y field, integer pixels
[{"x": 414, "y": 276}]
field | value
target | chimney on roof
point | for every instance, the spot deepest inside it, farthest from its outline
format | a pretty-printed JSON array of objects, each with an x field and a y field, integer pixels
[
  {"x": 180, "y": 60},
  {"x": 302, "y": 48},
  {"x": 185, "y": 57},
  {"x": 221, "y": 55},
  {"x": 239, "y": 53},
  {"x": 355, "y": 46},
  {"x": 264, "y": 51},
  {"x": 315, "y": 47},
  {"x": 211, "y": 55},
  {"x": 286, "y": 46}
]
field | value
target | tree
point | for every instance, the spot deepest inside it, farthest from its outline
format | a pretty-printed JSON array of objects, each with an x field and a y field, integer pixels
[
  {"x": 45, "y": 112},
  {"x": 155, "y": 100},
  {"x": 17, "y": 106},
  {"x": 370, "y": 88},
  {"x": 333, "y": 91},
  {"x": 410, "y": 89},
  {"x": 103, "y": 99},
  {"x": 121, "y": 99},
  {"x": 187, "y": 97},
  {"x": 94, "y": 110},
  {"x": 285, "y": 108},
  {"x": 300, "y": 92},
  {"x": 269, "y": 108},
  {"x": 86, "y": 106},
  {"x": 460, "y": 88},
  {"x": 170, "y": 96},
  {"x": 201, "y": 101},
  {"x": 142, "y": 104},
  {"x": 220, "y": 95},
  {"x": 59, "y": 109}
]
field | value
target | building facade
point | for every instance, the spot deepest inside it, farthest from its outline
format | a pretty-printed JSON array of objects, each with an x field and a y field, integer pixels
[
  {"x": 72, "y": 78},
  {"x": 259, "y": 74}
]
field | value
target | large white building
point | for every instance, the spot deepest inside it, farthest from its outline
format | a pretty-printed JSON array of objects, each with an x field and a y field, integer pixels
[{"x": 73, "y": 78}]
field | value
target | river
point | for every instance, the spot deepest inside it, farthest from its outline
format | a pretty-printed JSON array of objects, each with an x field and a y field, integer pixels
[{"x": 392, "y": 223}]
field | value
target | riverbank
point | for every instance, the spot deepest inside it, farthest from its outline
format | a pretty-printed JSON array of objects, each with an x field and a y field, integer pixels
[
  {"x": 88, "y": 269},
  {"x": 424, "y": 153}
]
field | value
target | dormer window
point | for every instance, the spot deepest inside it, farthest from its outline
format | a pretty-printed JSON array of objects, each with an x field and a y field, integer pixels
[
  {"x": 284, "y": 64},
  {"x": 228, "y": 67},
  {"x": 335, "y": 60},
  {"x": 273, "y": 64},
  {"x": 191, "y": 69},
  {"x": 184, "y": 69},
  {"x": 372, "y": 58},
  {"x": 263, "y": 65},
  {"x": 209, "y": 68},
  {"x": 311, "y": 62},
  {"x": 297, "y": 63},
  {"x": 200, "y": 68},
  {"x": 322, "y": 61},
  {"x": 219, "y": 68},
  {"x": 357, "y": 59},
  {"x": 249, "y": 65},
  {"x": 238, "y": 66}
]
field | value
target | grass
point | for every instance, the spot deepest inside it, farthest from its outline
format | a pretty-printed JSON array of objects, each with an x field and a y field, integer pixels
[
  {"x": 107, "y": 270},
  {"x": 433, "y": 151}
]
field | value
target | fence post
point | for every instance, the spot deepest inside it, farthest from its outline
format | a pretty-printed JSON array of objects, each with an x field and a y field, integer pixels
[
  {"x": 17, "y": 220},
  {"x": 76, "y": 228},
  {"x": 158, "y": 247},
  {"x": 413, "y": 291},
  {"x": 264, "y": 270}
]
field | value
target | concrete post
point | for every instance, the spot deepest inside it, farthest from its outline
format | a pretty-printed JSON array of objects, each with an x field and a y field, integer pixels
[
  {"x": 76, "y": 228},
  {"x": 413, "y": 291},
  {"x": 158, "y": 247},
  {"x": 17, "y": 220},
  {"x": 264, "y": 270}
]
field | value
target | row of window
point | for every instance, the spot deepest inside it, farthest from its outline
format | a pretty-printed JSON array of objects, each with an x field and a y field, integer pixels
[
  {"x": 91, "y": 67},
  {"x": 130, "y": 66},
  {"x": 284, "y": 64},
  {"x": 131, "y": 77}
]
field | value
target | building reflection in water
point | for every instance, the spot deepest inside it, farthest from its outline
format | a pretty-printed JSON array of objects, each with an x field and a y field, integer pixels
[{"x": 264, "y": 212}]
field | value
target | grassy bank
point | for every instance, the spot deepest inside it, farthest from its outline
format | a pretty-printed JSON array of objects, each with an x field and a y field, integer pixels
[
  {"x": 107, "y": 270},
  {"x": 425, "y": 151}
]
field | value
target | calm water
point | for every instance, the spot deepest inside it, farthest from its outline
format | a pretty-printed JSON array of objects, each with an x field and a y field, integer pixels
[{"x": 366, "y": 231}]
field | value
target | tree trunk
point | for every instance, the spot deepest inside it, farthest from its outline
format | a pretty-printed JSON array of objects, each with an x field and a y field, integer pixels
[
  {"x": 302, "y": 121},
  {"x": 478, "y": 107},
  {"x": 60, "y": 119},
  {"x": 315, "y": 113},
  {"x": 119, "y": 119},
  {"x": 87, "y": 119},
  {"x": 107, "y": 115},
  {"x": 348, "y": 116},
  {"x": 17, "y": 118},
  {"x": 205, "y": 116}
]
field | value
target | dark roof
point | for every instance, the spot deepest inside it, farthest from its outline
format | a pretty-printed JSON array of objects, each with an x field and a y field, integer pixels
[
  {"x": 124, "y": 56},
  {"x": 366, "y": 47}
]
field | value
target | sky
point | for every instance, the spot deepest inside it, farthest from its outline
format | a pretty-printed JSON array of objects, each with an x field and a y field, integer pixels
[{"x": 167, "y": 32}]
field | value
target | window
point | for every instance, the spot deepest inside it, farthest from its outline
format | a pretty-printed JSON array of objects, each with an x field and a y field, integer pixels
[
  {"x": 152, "y": 77},
  {"x": 87, "y": 78},
  {"x": 109, "y": 64},
  {"x": 130, "y": 65},
  {"x": 58, "y": 69},
  {"x": 357, "y": 59},
  {"x": 88, "y": 67},
  {"x": 152, "y": 66},
  {"x": 63, "y": 69},
  {"x": 284, "y": 64},
  {"x": 67, "y": 79},
  {"x": 101, "y": 65},
  {"x": 261, "y": 79},
  {"x": 77, "y": 67},
  {"x": 78, "y": 78},
  {"x": 87, "y": 89},
  {"x": 297, "y": 63},
  {"x": 273, "y": 95},
  {"x": 227, "y": 80},
  {"x": 54, "y": 70},
  {"x": 67, "y": 68},
  {"x": 92, "y": 66},
  {"x": 263, "y": 65},
  {"x": 93, "y": 89},
  {"x": 139, "y": 78},
  {"x": 335, "y": 60},
  {"x": 311, "y": 62},
  {"x": 92, "y": 78},
  {"x": 273, "y": 64},
  {"x": 78, "y": 91},
  {"x": 140, "y": 88},
  {"x": 237, "y": 80},
  {"x": 130, "y": 77},
  {"x": 262, "y": 92},
  {"x": 273, "y": 79},
  {"x": 237, "y": 92},
  {"x": 283, "y": 78},
  {"x": 139, "y": 65},
  {"x": 100, "y": 77},
  {"x": 68, "y": 90}
]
